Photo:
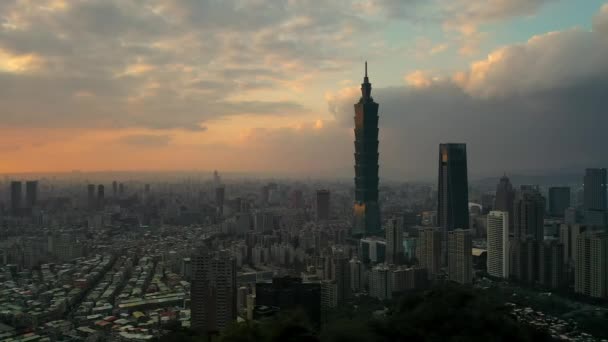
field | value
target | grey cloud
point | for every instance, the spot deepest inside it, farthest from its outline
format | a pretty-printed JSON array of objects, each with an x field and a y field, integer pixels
[
  {"x": 146, "y": 140},
  {"x": 215, "y": 47}
]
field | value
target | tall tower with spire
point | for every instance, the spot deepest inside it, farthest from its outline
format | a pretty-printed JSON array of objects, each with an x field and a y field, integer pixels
[{"x": 366, "y": 208}]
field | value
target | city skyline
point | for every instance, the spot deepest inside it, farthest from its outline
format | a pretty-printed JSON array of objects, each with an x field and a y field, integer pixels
[{"x": 440, "y": 75}]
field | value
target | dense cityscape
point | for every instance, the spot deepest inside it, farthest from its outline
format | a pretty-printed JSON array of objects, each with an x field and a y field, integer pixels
[
  {"x": 224, "y": 170},
  {"x": 90, "y": 257}
]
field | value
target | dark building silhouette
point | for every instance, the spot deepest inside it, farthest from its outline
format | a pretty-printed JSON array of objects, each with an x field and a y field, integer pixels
[
  {"x": 31, "y": 194},
  {"x": 366, "y": 209},
  {"x": 220, "y": 193},
  {"x": 121, "y": 190},
  {"x": 101, "y": 196},
  {"x": 16, "y": 198},
  {"x": 528, "y": 216},
  {"x": 594, "y": 201},
  {"x": 323, "y": 204},
  {"x": 505, "y": 195},
  {"x": 559, "y": 200},
  {"x": 452, "y": 192},
  {"x": 297, "y": 199},
  {"x": 595, "y": 189},
  {"x": 91, "y": 200},
  {"x": 289, "y": 293},
  {"x": 114, "y": 189}
]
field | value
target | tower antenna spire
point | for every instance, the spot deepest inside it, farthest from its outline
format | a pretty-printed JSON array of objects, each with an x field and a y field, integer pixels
[{"x": 365, "y": 68}]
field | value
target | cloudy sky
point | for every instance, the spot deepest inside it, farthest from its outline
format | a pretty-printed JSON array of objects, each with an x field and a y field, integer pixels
[{"x": 268, "y": 86}]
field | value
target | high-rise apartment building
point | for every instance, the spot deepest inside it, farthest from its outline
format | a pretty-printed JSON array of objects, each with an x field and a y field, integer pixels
[
  {"x": 357, "y": 276},
  {"x": 591, "y": 270},
  {"x": 213, "y": 291},
  {"x": 408, "y": 278},
  {"x": 340, "y": 273},
  {"x": 428, "y": 250},
  {"x": 551, "y": 264},
  {"x": 568, "y": 237},
  {"x": 380, "y": 282},
  {"x": 394, "y": 241},
  {"x": 528, "y": 216},
  {"x": 505, "y": 195},
  {"x": 323, "y": 205},
  {"x": 329, "y": 294},
  {"x": 523, "y": 261},
  {"x": 498, "y": 244},
  {"x": 460, "y": 256},
  {"x": 559, "y": 200},
  {"x": 16, "y": 198},
  {"x": 366, "y": 209}
]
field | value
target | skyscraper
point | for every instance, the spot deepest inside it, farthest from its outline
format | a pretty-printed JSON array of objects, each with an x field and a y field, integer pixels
[
  {"x": 453, "y": 187},
  {"x": 551, "y": 264},
  {"x": 341, "y": 275},
  {"x": 394, "y": 241},
  {"x": 213, "y": 291},
  {"x": 460, "y": 256},
  {"x": 505, "y": 195},
  {"x": 16, "y": 198},
  {"x": 323, "y": 205},
  {"x": 366, "y": 209},
  {"x": 559, "y": 200},
  {"x": 452, "y": 192},
  {"x": 528, "y": 226},
  {"x": 594, "y": 202},
  {"x": 31, "y": 194},
  {"x": 498, "y": 244},
  {"x": 114, "y": 189}
]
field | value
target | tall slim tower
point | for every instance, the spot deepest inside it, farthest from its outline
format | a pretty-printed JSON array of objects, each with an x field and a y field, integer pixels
[
  {"x": 452, "y": 192},
  {"x": 394, "y": 241},
  {"x": 498, "y": 244},
  {"x": 453, "y": 187},
  {"x": 366, "y": 210},
  {"x": 31, "y": 194},
  {"x": 595, "y": 197}
]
